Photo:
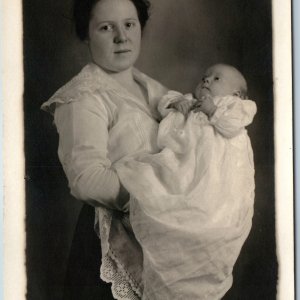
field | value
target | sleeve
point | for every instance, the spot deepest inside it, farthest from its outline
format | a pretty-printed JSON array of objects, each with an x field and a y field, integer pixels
[
  {"x": 169, "y": 98},
  {"x": 232, "y": 115},
  {"x": 83, "y": 137}
]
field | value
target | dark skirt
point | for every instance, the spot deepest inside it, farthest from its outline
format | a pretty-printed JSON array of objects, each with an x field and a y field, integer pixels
[{"x": 83, "y": 272}]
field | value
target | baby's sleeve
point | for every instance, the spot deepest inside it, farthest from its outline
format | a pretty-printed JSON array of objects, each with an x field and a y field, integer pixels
[
  {"x": 232, "y": 115},
  {"x": 171, "y": 97}
]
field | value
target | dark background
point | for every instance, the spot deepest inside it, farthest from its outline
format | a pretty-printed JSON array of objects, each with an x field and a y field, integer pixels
[{"x": 182, "y": 39}]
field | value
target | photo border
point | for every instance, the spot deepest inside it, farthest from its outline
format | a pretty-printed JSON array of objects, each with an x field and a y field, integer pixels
[
  {"x": 296, "y": 96},
  {"x": 12, "y": 83}
]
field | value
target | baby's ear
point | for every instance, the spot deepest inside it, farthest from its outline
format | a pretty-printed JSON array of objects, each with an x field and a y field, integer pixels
[{"x": 239, "y": 94}]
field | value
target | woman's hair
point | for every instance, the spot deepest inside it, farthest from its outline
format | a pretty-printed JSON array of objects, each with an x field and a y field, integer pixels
[{"x": 82, "y": 12}]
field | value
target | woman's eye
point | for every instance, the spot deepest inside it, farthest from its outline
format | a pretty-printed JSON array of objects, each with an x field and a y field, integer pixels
[
  {"x": 106, "y": 27},
  {"x": 130, "y": 24}
]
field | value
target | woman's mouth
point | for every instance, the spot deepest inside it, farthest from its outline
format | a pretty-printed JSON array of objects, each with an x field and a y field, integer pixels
[{"x": 122, "y": 51}]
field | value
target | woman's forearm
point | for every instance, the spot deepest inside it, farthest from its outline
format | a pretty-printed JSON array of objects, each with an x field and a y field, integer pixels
[
  {"x": 99, "y": 186},
  {"x": 83, "y": 139}
]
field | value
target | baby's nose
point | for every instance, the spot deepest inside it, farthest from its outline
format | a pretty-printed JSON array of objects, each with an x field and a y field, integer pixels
[{"x": 205, "y": 80}]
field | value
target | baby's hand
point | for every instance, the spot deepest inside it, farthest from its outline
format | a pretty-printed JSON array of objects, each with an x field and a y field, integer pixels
[
  {"x": 206, "y": 105},
  {"x": 182, "y": 105}
]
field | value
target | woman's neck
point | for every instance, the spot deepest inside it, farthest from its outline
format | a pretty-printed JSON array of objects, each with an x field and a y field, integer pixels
[
  {"x": 127, "y": 81},
  {"x": 125, "y": 78}
]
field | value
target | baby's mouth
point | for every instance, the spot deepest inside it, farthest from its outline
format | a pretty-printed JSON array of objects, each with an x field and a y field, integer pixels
[{"x": 204, "y": 91}]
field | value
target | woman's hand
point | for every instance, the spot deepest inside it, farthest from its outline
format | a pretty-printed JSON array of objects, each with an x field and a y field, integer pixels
[{"x": 206, "y": 105}]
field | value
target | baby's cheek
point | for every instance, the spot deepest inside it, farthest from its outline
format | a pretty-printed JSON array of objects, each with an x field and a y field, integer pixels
[{"x": 198, "y": 91}]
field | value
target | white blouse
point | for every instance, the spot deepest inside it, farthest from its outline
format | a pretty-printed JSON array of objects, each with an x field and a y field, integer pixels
[{"x": 99, "y": 122}]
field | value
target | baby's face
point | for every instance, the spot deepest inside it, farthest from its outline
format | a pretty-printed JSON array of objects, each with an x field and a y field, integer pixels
[{"x": 219, "y": 80}]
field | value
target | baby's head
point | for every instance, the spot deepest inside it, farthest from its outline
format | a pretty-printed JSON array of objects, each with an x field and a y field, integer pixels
[{"x": 222, "y": 80}]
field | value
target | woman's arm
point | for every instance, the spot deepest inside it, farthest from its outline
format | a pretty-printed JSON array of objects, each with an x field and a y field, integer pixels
[
  {"x": 232, "y": 115},
  {"x": 83, "y": 137}
]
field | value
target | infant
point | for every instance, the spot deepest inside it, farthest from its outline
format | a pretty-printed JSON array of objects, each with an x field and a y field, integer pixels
[
  {"x": 219, "y": 80},
  {"x": 192, "y": 203}
]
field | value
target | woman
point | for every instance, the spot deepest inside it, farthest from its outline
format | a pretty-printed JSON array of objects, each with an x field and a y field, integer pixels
[{"x": 104, "y": 113}]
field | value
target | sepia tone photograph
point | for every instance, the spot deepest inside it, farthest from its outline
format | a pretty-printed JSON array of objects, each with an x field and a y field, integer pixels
[{"x": 150, "y": 150}]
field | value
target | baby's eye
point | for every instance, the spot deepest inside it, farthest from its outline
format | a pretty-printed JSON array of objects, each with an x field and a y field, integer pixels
[
  {"x": 106, "y": 27},
  {"x": 203, "y": 79},
  {"x": 129, "y": 25},
  {"x": 217, "y": 78}
]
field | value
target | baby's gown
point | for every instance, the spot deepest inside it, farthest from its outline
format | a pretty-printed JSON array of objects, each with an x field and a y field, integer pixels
[{"x": 192, "y": 204}]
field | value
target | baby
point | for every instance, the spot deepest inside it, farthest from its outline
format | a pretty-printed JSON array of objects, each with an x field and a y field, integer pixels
[
  {"x": 218, "y": 81},
  {"x": 192, "y": 203}
]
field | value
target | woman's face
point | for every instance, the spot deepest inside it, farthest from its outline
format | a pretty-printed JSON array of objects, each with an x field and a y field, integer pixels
[{"x": 114, "y": 35}]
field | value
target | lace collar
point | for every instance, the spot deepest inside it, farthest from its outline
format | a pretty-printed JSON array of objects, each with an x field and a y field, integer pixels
[{"x": 92, "y": 78}]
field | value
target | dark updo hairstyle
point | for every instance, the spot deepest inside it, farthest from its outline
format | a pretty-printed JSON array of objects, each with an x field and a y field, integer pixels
[{"x": 82, "y": 12}]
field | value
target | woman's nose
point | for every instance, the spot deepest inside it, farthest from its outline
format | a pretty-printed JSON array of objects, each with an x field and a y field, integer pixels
[{"x": 120, "y": 36}]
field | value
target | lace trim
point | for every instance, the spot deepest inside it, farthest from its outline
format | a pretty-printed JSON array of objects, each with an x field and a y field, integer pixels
[
  {"x": 111, "y": 271},
  {"x": 123, "y": 288},
  {"x": 90, "y": 79},
  {"x": 102, "y": 226}
]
